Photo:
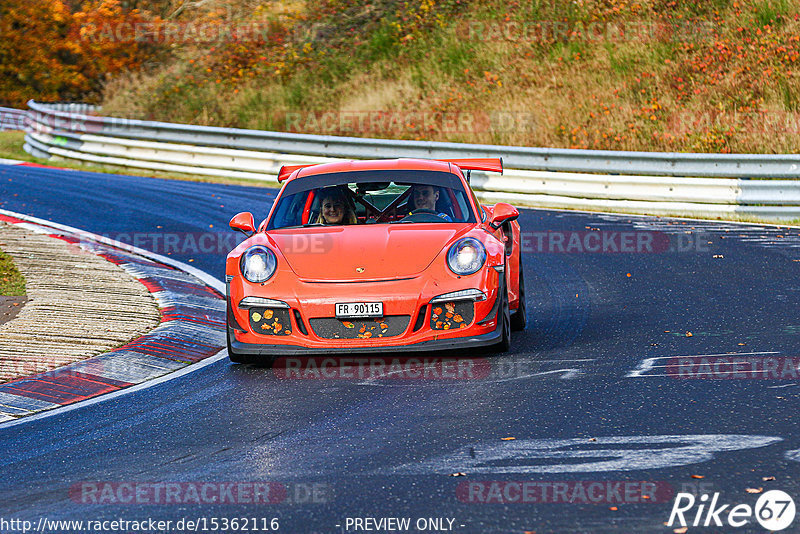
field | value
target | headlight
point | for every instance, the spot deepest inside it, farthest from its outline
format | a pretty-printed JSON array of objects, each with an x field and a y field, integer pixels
[
  {"x": 466, "y": 256},
  {"x": 258, "y": 264}
]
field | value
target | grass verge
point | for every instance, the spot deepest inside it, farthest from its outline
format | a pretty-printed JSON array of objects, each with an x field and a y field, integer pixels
[{"x": 12, "y": 283}]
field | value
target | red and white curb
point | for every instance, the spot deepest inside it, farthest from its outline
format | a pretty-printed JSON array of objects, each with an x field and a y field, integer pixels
[
  {"x": 192, "y": 307},
  {"x": 4, "y": 161}
]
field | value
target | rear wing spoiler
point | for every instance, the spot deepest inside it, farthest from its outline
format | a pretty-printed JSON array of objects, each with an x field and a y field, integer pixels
[
  {"x": 287, "y": 170},
  {"x": 477, "y": 164},
  {"x": 473, "y": 164}
]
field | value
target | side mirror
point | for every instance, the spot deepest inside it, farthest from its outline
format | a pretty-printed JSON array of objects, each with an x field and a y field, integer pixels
[
  {"x": 502, "y": 214},
  {"x": 244, "y": 223}
]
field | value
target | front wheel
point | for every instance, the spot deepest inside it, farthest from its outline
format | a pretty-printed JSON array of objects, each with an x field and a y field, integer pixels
[
  {"x": 504, "y": 315},
  {"x": 520, "y": 318}
]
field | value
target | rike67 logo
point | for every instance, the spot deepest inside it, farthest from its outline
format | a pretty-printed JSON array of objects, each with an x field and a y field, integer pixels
[{"x": 774, "y": 511}]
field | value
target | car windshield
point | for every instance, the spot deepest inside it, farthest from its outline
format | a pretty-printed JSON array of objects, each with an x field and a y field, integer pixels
[{"x": 373, "y": 197}]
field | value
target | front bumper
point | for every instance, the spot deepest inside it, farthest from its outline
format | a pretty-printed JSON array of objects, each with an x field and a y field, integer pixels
[
  {"x": 420, "y": 334},
  {"x": 266, "y": 350}
]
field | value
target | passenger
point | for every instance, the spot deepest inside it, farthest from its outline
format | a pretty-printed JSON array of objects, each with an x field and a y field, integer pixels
[
  {"x": 424, "y": 198},
  {"x": 334, "y": 208}
]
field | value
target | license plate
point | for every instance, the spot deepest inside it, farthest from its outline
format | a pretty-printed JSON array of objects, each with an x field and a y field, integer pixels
[{"x": 354, "y": 310}]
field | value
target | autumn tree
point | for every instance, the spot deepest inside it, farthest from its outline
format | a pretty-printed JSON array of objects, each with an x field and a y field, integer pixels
[{"x": 49, "y": 52}]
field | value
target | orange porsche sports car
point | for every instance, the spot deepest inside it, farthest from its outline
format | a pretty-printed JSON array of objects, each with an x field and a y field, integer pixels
[{"x": 362, "y": 256}]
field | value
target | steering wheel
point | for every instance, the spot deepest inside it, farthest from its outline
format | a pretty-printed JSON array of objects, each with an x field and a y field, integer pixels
[{"x": 422, "y": 215}]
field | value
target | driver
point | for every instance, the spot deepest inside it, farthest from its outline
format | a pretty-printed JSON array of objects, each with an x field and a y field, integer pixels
[{"x": 424, "y": 197}]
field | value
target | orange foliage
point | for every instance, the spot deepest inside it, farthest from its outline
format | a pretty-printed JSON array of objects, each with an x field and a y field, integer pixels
[{"x": 48, "y": 52}]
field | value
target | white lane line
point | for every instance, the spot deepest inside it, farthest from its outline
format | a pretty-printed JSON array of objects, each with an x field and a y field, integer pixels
[
  {"x": 568, "y": 374},
  {"x": 562, "y": 361},
  {"x": 699, "y": 374},
  {"x": 390, "y": 374},
  {"x": 644, "y": 366},
  {"x": 576, "y": 455},
  {"x": 682, "y": 364},
  {"x": 648, "y": 364},
  {"x": 720, "y": 354}
]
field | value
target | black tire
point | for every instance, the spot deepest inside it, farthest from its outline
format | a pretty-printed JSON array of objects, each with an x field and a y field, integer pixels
[
  {"x": 504, "y": 315},
  {"x": 520, "y": 318}
]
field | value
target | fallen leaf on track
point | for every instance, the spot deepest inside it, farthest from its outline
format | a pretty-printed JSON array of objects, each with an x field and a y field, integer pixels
[
  {"x": 767, "y": 479},
  {"x": 507, "y": 439},
  {"x": 698, "y": 476},
  {"x": 754, "y": 490}
]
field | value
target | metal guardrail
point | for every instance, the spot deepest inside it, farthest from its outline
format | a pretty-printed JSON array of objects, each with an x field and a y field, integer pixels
[
  {"x": 545, "y": 159},
  {"x": 12, "y": 119},
  {"x": 654, "y": 183}
]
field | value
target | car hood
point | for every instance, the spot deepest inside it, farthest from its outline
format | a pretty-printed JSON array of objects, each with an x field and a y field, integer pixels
[{"x": 360, "y": 253}]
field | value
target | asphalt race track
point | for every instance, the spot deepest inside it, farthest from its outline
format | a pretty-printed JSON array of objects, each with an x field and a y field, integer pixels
[{"x": 602, "y": 409}]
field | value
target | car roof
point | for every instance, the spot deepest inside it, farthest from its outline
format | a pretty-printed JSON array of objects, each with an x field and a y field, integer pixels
[{"x": 405, "y": 164}]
